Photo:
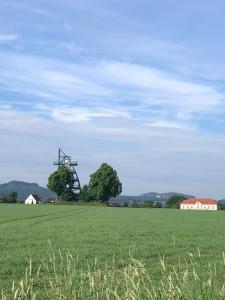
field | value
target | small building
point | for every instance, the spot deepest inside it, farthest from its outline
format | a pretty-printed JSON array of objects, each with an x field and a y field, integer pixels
[
  {"x": 199, "y": 204},
  {"x": 33, "y": 199}
]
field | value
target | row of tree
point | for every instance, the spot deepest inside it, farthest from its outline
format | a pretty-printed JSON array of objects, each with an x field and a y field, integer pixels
[
  {"x": 11, "y": 198},
  {"x": 103, "y": 184},
  {"x": 173, "y": 202},
  {"x": 145, "y": 204}
]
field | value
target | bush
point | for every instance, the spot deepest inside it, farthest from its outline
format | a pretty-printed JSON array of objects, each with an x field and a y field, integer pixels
[
  {"x": 147, "y": 204},
  {"x": 158, "y": 205},
  {"x": 134, "y": 204}
]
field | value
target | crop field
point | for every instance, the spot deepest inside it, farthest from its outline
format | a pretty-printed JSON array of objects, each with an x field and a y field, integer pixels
[{"x": 90, "y": 252}]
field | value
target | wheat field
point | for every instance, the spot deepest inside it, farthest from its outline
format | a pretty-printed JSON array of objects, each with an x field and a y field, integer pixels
[{"x": 88, "y": 252}]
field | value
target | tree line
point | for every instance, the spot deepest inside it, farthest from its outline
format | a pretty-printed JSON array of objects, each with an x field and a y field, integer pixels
[
  {"x": 144, "y": 204},
  {"x": 11, "y": 198},
  {"x": 104, "y": 183},
  {"x": 172, "y": 202}
]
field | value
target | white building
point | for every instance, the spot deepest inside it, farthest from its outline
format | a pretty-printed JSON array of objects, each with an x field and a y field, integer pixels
[
  {"x": 199, "y": 204},
  {"x": 32, "y": 199}
]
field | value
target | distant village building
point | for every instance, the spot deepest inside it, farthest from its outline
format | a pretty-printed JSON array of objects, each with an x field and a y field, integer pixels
[
  {"x": 33, "y": 199},
  {"x": 199, "y": 204}
]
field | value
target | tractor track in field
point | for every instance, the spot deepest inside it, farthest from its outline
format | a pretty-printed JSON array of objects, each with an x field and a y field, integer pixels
[
  {"x": 39, "y": 217},
  {"x": 22, "y": 219},
  {"x": 60, "y": 217}
]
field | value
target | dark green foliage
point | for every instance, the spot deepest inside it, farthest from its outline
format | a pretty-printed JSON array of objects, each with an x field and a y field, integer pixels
[
  {"x": 222, "y": 206},
  {"x": 104, "y": 183},
  {"x": 3, "y": 199},
  {"x": 60, "y": 182},
  {"x": 174, "y": 201},
  {"x": 158, "y": 205},
  {"x": 11, "y": 198},
  {"x": 147, "y": 204},
  {"x": 85, "y": 194},
  {"x": 125, "y": 204},
  {"x": 134, "y": 204},
  {"x": 68, "y": 196}
]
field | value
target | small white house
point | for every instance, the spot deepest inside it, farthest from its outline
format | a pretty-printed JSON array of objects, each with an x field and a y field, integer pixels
[
  {"x": 199, "y": 204},
  {"x": 33, "y": 199}
]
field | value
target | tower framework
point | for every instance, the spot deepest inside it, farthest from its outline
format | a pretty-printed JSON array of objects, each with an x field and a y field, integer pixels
[{"x": 65, "y": 160}]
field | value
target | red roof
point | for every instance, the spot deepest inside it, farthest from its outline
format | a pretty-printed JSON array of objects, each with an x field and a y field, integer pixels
[{"x": 201, "y": 200}]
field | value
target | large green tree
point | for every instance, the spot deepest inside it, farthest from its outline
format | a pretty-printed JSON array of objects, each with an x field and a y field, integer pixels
[
  {"x": 60, "y": 182},
  {"x": 104, "y": 183},
  {"x": 174, "y": 201}
]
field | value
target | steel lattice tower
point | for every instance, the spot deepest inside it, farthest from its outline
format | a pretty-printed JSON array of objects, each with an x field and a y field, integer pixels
[{"x": 65, "y": 160}]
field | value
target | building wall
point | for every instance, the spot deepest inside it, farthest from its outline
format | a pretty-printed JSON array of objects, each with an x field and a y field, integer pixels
[{"x": 199, "y": 206}]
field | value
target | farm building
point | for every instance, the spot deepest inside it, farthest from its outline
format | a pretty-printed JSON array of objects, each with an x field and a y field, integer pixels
[
  {"x": 32, "y": 199},
  {"x": 199, "y": 204}
]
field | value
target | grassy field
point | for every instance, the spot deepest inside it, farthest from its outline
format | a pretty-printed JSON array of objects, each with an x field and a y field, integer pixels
[{"x": 110, "y": 253}]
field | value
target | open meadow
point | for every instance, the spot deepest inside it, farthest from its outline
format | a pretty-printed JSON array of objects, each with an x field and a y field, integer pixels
[{"x": 90, "y": 252}]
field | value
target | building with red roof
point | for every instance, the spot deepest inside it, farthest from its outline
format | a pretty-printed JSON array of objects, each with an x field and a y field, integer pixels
[{"x": 199, "y": 204}]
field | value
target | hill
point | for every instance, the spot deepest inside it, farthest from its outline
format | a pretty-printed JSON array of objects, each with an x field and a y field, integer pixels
[
  {"x": 24, "y": 189},
  {"x": 151, "y": 196}
]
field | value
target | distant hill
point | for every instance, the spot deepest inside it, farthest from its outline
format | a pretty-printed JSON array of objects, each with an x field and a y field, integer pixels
[
  {"x": 151, "y": 196},
  {"x": 24, "y": 189}
]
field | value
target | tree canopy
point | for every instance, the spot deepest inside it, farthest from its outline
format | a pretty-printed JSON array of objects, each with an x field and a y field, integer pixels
[
  {"x": 104, "y": 183},
  {"x": 60, "y": 182},
  {"x": 11, "y": 198},
  {"x": 147, "y": 204},
  {"x": 85, "y": 194},
  {"x": 174, "y": 201},
  {"x": 158, "y": 205}
]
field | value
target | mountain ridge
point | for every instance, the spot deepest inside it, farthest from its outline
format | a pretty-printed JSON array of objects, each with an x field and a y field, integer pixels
[
  {"x": 150, "y": 196},
  {"x": 24, "y": 189}
]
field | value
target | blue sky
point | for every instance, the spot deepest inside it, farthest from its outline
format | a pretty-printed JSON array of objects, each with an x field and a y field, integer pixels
[{"x": 138, "y": 84}]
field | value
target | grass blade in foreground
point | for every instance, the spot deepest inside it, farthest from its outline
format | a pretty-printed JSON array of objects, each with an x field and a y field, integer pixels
[{"x": 62, "y": 276}]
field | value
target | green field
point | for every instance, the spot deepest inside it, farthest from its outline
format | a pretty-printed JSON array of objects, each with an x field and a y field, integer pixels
[{"x": 133, "y": 251}]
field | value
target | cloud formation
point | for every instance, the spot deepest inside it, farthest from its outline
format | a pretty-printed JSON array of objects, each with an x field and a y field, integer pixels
[
  {"x": 134, "y": 85},
  {"x": 104, "y": 87}
]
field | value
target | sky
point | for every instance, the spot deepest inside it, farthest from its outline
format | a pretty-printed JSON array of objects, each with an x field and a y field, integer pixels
[{"x": 139, "y": 84}]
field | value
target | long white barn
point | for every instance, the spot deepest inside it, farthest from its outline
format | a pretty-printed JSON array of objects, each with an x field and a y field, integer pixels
[{"x": 199, "y": 204}]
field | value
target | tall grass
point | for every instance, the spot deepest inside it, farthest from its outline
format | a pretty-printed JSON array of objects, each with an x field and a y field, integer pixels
[{"x": 63, "y": 276}]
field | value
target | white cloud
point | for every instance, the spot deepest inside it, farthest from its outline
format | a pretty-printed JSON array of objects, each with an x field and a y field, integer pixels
[
  {"x": 161, "y": 88},
  {"x": 47, "y": 78},
  {"x": 19, "y": 5},
  {"x": 78, "y": 91},
  {"x": 170, "y": 124},
  {"x": 39, "y": 11},
  {"x": 81, "y": 114},
  {"x": 8, "y": 38},
  {"x": 131, "y": 100},
  {"x": 16, "y": 121},
  {"x": 163, "y": 158}
]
